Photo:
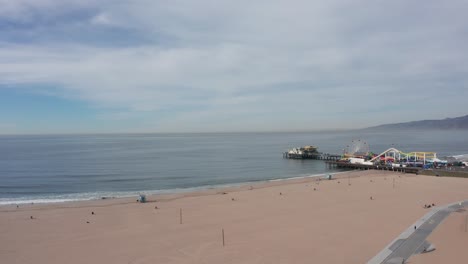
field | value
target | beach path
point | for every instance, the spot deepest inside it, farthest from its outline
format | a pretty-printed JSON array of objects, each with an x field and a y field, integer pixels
[{"x": 413, "y": 240}]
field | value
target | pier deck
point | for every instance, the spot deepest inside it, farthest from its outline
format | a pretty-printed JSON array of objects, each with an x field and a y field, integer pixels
[
  {"x": 340, "y": 164},
  {"x": 316, "y": 156}
]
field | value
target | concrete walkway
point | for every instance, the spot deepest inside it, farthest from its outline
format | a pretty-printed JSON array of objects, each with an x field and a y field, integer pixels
[{"x": 413, "y": 241}]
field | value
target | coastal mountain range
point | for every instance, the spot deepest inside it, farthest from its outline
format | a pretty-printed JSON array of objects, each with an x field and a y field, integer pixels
[{"x": 456, "y": 123}]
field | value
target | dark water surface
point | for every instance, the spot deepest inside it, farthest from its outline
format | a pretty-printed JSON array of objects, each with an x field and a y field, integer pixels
[{"x": 76, "y": 167}]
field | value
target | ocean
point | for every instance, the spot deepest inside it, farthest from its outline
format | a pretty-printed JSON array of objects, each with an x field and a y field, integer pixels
[{"x": 58, "y": 168}]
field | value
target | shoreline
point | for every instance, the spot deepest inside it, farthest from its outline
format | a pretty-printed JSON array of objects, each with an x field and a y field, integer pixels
[
  {"x": 129, "y": 194},
  {"x": 170, "y": 196}
]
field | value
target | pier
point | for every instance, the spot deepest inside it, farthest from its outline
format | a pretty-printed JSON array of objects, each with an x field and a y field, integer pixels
[
  {"x": 315, "y": 156},
  {"x": 358, "y": 166},
  {"x": 357, "y": 156},
  {"x": 309, "y": 152}
]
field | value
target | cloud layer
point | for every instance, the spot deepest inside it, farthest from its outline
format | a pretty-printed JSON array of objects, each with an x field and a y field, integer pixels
[{"x": 241, "y": 65}]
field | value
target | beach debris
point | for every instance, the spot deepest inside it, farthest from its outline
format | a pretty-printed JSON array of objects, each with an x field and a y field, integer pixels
[
  {"x": 372, "y": 198},
  {"x": 87, "y": 222},
  {"x": 17, "y": 206},
  {"x": 281, "y": 193},
  {"x": 414, "y": 227},
  {"x": 224, "y": 193},
  {"x": 315, "y": 189},
  {"x": 92, "y": 213},
  {"x": 232, "y": 199},
  {"x": 156, "y": 207},
  {"x": 32, "y": 217},
  {"x": 338, "y": 181}
]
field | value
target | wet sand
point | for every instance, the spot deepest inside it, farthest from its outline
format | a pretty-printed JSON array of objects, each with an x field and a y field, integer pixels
[{"x": 279, "y": 222}]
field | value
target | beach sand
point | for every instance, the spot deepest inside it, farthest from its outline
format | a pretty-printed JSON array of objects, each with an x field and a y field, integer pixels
[{"x": 277, "y": 222}]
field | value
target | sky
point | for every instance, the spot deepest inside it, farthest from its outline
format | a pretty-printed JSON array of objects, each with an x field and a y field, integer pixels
[{"x": 116, "y": 66}]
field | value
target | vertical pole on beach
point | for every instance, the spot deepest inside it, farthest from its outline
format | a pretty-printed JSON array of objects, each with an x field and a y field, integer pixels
[
  {"x": 466, "y": 223},
  {"x": 223, "y": 236},
  {"x": 180, "y": 215}
]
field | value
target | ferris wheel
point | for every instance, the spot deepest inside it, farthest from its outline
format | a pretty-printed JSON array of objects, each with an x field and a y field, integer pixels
[{"x": 357, "y": 148}]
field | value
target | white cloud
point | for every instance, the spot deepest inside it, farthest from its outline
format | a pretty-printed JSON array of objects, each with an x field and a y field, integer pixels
[
  {"x": 101, "y": 19},
  {"x": 234, "y": 63}
]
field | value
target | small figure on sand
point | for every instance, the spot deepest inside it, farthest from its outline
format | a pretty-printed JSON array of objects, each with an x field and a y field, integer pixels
[
  {"x": 371, "y": 198},
  {"x": 32, "y": 217},
  {"x": 156, "y": 207},
  {"x": 281, "y": 194},
  {"x": 429, "y": 205},
  {"x": 92, "y": 213}
]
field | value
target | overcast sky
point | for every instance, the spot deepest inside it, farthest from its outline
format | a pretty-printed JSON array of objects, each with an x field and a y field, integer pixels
[{"x": 210, "y": 66}]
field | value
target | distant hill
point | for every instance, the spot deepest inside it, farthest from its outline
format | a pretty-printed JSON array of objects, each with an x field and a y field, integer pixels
[{"x": 457, "y": 123}]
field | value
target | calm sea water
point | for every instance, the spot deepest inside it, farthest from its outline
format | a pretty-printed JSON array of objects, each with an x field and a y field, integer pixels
[{"x": 80, "y": 167}]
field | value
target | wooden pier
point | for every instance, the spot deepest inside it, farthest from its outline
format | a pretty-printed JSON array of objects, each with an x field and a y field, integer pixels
[
  {"x": 315, "y": 156},
  {"x": 356, "y": 166}
]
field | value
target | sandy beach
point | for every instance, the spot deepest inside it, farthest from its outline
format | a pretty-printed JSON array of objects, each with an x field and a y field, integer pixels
[{"x": 296, "y": 221}]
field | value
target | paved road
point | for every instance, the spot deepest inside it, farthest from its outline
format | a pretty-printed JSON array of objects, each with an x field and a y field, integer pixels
[{"x": 413, "y": 241}]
